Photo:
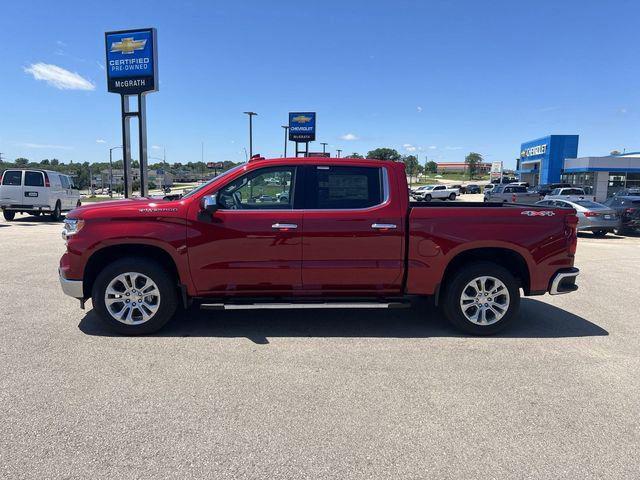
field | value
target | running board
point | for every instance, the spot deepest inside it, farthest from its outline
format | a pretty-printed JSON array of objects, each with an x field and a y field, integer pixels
[{"x": 274, "y": 306}]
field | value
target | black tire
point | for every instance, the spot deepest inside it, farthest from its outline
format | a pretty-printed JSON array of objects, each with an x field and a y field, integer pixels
[
  {"x": 456, "y": 285},
  {"x": 8, "y": 215},
  {"x": 56, "y": 215},
  {"x": 452, "y": 196},
  {"x": 600, "y": 233},
  {"x": 165, "y": 282},
  {"x": 427, "y": 198},
  {"x": 36, "y": 214}
]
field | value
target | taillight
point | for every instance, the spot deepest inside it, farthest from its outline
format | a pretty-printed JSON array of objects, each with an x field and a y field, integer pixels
[
  {"x": 2, "y": 177},
  {"x": 629, "y": 210},
  {"x": 46, "y": 180},
  {"x": 513, "y": 198},
  {"x": 590, "y": 214},
  {"x": 571, "y": 232}
]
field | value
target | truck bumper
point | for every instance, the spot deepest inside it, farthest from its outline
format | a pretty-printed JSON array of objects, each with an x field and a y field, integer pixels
[
  {"x": 564, "y": 281},
  {"x": 73, "y": 288}
]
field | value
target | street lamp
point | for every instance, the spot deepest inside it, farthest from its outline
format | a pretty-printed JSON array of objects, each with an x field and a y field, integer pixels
[
  {"x": 111, "y": 169},
  {"x": 324, "y": 146},
  {"x": 339, "y": 152},
  {"x": 251, "y": 114},
  {"x": 286, "y": 131}
]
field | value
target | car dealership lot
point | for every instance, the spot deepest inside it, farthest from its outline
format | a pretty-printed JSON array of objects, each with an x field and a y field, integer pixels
[{"x": 319, "y": 393}]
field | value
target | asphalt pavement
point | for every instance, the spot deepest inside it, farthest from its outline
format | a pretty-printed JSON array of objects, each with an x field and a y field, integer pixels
[{"x": 319, "y": 394}]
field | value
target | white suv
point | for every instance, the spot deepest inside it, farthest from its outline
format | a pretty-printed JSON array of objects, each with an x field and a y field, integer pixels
[{"x": 35, "y": 192}]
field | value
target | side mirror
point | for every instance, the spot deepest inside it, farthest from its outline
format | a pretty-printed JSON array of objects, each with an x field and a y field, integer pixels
[{"x": 209, "y": 203}]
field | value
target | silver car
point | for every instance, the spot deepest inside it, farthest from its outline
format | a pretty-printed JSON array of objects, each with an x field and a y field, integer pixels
[
  {"x": 510, "y": 194},
  {"x": 592, "y": 217}
]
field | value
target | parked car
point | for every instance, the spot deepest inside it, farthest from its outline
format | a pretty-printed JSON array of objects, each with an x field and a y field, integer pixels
[
  {"x": 545, "y": 189},
  {"x": 510, "y": 194},
  {"x": 627, "y": 192},
  {"x": 520, "y": 184},
  {"x": 439, "y": 192},
  {"x": 568, "y": 193},
  {"x": 489, "y": 187},
  {"x": 461, "y": 188},
  {"x": 35, "y": 192},
  {"x": 414, "y": 192},
  {"x": 473, "y": 188},
  {"x": 140, "y": 260},
  {"x": 592, "y": 216},
  {"x": 628, "y": 209}
]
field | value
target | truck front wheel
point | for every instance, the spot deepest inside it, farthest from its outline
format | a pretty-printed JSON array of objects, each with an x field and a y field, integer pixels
[
  {"x": 481, "y": 298},
  {"x": 134, "y": 296}
]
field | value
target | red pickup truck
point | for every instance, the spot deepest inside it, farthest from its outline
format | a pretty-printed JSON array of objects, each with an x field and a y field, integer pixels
[{"x": 313, "y": 233}]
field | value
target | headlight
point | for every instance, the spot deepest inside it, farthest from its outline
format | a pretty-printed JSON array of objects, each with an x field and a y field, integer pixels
[{"x": 71, "y": 227}]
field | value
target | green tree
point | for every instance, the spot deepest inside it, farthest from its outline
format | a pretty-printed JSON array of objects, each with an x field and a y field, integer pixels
[
  {"x": 354, "y": 155},
  {"x": 431, "y": 167},
  {"x": 410, "y": 164},
  {"x": 45, "y": 162},
  {"x": 473, "y": 160},
  {"x": 54, "y": 162},
  {"x": 21, "y": 161},
  {"x": 384, "y": 154}
]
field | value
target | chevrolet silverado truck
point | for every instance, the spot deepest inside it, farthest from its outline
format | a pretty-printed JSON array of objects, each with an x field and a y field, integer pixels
[{"x": 313, "y": 233}]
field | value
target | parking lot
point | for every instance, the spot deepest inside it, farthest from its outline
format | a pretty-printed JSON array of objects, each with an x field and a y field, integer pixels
[{"x": 319, "y": 394}]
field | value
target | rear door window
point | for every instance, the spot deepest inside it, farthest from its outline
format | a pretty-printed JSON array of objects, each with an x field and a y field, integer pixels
[
  {"x": 65, "y": 182},
  {"x": 12, "y": 177},
  {"x": 336, "y": 187},
  {"x": 33, "y": 179}
]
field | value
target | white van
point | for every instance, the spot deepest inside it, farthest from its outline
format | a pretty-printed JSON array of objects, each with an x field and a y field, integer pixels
[{"x": 37, "y": 191}]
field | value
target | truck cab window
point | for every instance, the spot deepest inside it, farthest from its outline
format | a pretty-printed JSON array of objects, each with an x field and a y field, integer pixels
[
  {"x": 336, "y": 187},
  {"x": 267, "y": 188}
]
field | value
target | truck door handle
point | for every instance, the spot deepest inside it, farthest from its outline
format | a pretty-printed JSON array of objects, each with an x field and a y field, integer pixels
[
  {"x": 383, "y": 226},
  {"x": 284, "y": 226}
]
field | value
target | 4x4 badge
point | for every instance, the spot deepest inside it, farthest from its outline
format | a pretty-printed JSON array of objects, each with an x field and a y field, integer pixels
[{"x": 538, "y": 213}]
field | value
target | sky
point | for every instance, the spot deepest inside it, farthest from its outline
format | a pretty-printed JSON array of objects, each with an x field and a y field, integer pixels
[{"x": 434, "y": 78}]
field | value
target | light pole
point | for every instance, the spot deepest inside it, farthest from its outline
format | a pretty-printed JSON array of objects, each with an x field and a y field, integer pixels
[
  {"x": 339, "y": 152},
  {"x": 324, "y": 146},
  {"x": 111, "y": 169},
  {"x": 251, "y": 114},
  {"x": 286, "y": 132}
]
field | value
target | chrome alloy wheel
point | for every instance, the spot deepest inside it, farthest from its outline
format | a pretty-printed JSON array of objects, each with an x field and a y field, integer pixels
[
  {"x": 484, "y": 300},
  {"x": 132, "y": 298}
]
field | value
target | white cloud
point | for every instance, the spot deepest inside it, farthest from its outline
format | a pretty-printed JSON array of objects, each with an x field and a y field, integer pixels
[
  {"x": 419, "y": 108},
  {"x": 622, "y": 110},
  {"x": 100, "y": 140},
  {"x": 432, "y": 147},
  {"x": 59, "y": 77},
  {"x": 409, "y": 148},
  {"x": 349, "y": 137},
  {"x": 453, "y": 148},
  {"x": 45, "y": 145},
  {"x": 60, "y": 43},
  {"x": 156, "y": 147}
]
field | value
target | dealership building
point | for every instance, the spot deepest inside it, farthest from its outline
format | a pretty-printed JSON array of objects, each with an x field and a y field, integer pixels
[{"x": 554, "y": 158}]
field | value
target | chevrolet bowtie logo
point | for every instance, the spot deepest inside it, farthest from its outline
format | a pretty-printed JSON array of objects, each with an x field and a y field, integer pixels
[
  {"x": 128, "y": 45},
  {"x": 301, "y": 119}
]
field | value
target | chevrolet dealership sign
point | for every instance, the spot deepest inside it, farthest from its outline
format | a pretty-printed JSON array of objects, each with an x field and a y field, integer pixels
[
  {"x": 534, "y": 151},
  {"x": 302, "y": 126},
  {"x": 132, "y": 66}
]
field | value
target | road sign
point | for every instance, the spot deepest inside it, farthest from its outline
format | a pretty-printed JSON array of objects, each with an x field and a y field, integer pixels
[
  {"x": 132, "y": 63},
  {"x": 302, "y": 126}
]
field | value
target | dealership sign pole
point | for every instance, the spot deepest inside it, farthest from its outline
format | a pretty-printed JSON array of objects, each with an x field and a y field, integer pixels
[
  {"x": 132, "y": 70},
  {"x": 302, "y": 130}
]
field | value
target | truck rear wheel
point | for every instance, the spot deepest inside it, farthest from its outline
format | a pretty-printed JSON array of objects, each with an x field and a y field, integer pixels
[
  {"x": 482, "y": 298},
  {"x": 452, "y": 196},
  {"x": 8, "y": 215},
  {"x": 135, "y": 296}
]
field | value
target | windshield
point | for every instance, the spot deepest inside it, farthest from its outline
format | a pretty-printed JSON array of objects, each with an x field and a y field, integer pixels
[
  {"x": 428, "y": 187},
  {"x": 206, "y": 184}
]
